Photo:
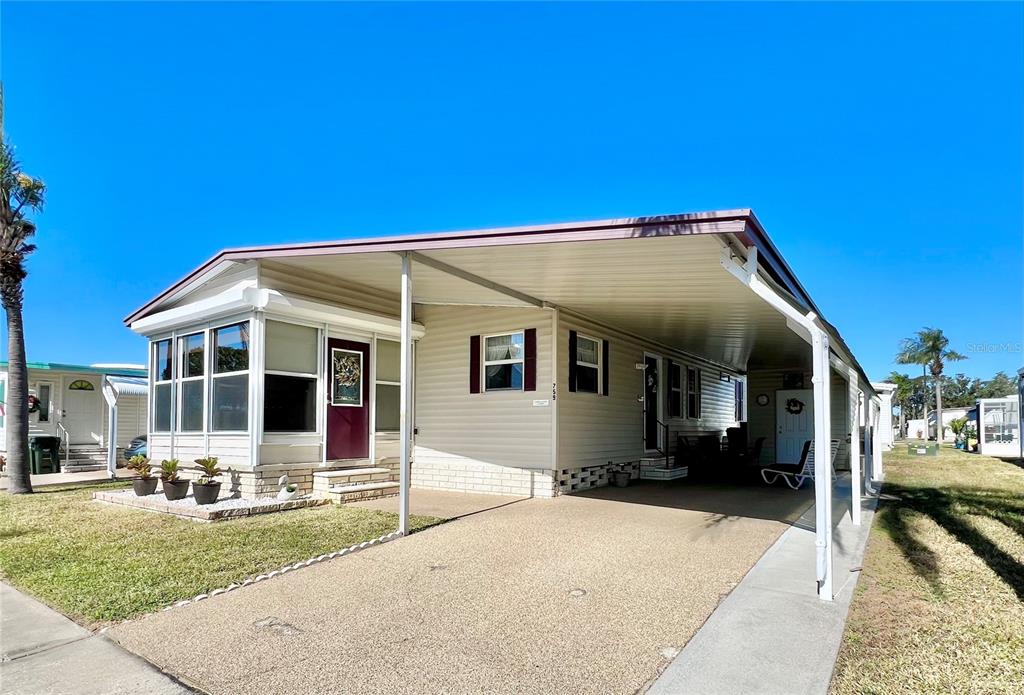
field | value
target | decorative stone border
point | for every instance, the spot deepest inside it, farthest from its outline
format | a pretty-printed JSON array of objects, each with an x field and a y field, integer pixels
[{"x": 157, "y": 503}]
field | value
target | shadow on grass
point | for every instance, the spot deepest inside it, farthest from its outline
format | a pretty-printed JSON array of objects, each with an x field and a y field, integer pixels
[{"x": 950, "y": 509}]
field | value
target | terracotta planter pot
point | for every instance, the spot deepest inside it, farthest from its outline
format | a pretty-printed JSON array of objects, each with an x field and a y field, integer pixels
[
  {"x": 205, "y": 494},
  {"x": 175, "y": 489},
  {"x": 144, "y": 486}
]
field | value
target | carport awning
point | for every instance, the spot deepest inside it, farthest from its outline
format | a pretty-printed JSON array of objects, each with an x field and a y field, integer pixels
[
  {"x": 129, "y": 385},
  {"x": 659, "y": 277}
]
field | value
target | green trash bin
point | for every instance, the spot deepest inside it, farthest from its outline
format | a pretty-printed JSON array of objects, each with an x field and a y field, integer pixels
[{"x": 44, "y": 452}]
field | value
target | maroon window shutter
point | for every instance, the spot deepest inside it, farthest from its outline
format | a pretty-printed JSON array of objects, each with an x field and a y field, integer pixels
[
  {"x": 530, "y": 359},
  {"x": 606, "y": 366},
  {"x": 474, "y": 364},
  {"x": 572, "y": 360}
]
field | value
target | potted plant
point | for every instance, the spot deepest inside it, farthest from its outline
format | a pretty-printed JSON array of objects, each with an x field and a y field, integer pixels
[
  {"x": 288, "y": 491},
  {"x": 621, "y": 476},
  {"x": 971, "y": 437},
  {"x": 958, "y": 426},
  {"x": 174, "y": 487},
  {"x": 205, "y": 488},
  {"x": 143, "y": 483}
]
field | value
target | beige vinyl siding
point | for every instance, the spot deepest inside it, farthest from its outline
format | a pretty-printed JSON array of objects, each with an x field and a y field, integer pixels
[
  {"x": 331, "y": 290},
  {"x": 498, "y": 428},
  {"x": 595, "y": 429},
  {"x": 131, "y": 418},
  {"x": 239, "y": 272},
  {"x": 839, "y": 398},
  {"x": 231, "y": 450}
]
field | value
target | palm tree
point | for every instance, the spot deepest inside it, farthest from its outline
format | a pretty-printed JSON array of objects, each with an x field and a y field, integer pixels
[
  {"x": 19, "y": 194},
  {"x": 929, "y": 348},
  {"x": 905, "y": 387}
]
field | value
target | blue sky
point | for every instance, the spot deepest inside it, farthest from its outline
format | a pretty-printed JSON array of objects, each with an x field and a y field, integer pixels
[{"x": 880, "y": 144}]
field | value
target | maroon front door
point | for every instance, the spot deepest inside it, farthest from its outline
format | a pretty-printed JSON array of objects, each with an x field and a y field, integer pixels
[{"x": 348, "y": 399}]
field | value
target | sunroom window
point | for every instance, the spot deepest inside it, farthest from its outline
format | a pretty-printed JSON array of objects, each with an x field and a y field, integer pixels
[
  {"x": 230, "y": 378},
  {"x": 162, "y": 374},
  {"x": 290, "y": 378},
  {"x": 503, "y": 362},
  {"x": 192, "y": 351},
  {"x": 587, "y": 364}
]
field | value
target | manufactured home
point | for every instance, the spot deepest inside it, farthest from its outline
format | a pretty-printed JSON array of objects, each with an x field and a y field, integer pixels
[
  {"x": 999, "y": 427},
  {"x": 520, "y": 361},
  {"x": 78, "y": 404}
]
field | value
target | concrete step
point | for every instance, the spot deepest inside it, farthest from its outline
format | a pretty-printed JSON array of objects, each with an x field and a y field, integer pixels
[
  {"x": 663, "y": 473},
  {"x": 349, "y": 472},
  {"x": 77, "y": 467},
  {"x": 361, "y": 491}
]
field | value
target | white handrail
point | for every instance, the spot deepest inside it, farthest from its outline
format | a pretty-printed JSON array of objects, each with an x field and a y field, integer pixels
[{"x": 62, "y": 431}]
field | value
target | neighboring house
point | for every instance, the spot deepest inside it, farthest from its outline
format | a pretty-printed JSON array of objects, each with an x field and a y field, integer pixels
[
  {"x": 999, "y": 428},
  {"x": 75, "y": 403},
  {"x": 948, "y": 415},
  {"x": 539, "y": 358}
]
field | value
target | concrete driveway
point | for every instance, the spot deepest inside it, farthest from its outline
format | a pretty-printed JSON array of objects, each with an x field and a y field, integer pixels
[{"x": 579, "y": 594}]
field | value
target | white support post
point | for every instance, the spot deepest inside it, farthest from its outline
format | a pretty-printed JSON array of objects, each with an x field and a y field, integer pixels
[
  {"x": 822, "y": 463},
  {"x": 876, "y": 442},
  {"x": 405, "y": 397},
  {"x": 808, "y": 328},
  {"x": 856, "y": 484},
  {"x": 110, "y": 396}
]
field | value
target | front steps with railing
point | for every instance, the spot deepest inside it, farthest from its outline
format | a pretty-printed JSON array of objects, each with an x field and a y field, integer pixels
[
  {"x": 83, "y": 458},
  {"x": 361, "y": 482}
]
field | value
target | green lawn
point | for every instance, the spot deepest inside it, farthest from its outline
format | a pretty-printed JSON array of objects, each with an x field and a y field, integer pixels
[
  {"x": 98, "y": 563},
  {"x": 940, "y": 604}
]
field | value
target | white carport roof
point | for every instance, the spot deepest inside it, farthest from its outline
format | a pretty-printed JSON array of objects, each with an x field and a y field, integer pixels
[
  {"x": 129, "y": 385},
  {"x": 658, "y": 277}
]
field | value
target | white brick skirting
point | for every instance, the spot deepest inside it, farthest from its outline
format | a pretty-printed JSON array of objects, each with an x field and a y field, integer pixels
[
  {"x": 441, "y": 470},
  {"x": 577, "y": 479}
]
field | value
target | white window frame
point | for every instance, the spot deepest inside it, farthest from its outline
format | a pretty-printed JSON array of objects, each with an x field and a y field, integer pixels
[
  {"x": 484, "y": 362},
  {"x": 177, "y": 371},
  {"x": 382, "y": 382},
  {"x": 599, "y": 365},
  {"x": 697, "y": 390},
  {"x": 153, "y": 369},
  {"x": 316, "y": 376},
  {"x": 211, "y": 331},
  {"x": 678, "y": 394}
]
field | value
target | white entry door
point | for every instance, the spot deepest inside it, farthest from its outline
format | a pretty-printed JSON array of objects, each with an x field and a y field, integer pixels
[
  {"x": 82, "y": 409},
  {"x": 794, "y": 423}
]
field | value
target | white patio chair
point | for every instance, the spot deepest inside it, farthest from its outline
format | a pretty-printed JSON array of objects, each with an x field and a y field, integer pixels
[{"x": 795, "y": 475}]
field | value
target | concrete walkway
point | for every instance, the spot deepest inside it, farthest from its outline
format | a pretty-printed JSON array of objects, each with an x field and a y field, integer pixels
[
  {"x": 44, "y": 652},
  {"x": 578, "y": 594},
  {"x": 773, "y": 635},
  {"x": 48, "y": 479}
]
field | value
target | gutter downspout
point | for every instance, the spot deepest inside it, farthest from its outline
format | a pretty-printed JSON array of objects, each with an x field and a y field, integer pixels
[{"x": 807, "y": 327}]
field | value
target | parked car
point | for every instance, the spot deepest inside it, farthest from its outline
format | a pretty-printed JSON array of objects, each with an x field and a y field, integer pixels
[{"x": 136, "y": 447}]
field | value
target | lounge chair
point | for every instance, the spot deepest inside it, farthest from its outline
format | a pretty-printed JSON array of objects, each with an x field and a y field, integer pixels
[{"x": 795, "y": 475}]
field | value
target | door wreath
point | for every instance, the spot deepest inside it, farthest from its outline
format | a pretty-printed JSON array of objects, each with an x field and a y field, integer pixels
[{"x": 794, "y": 406}]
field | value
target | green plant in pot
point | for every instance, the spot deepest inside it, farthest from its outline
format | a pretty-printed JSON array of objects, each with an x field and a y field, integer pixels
[
  {"x": 143, "y": 483},
  {"x": 174, "y": 487},
  {"x": 205, "y": 488}
]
